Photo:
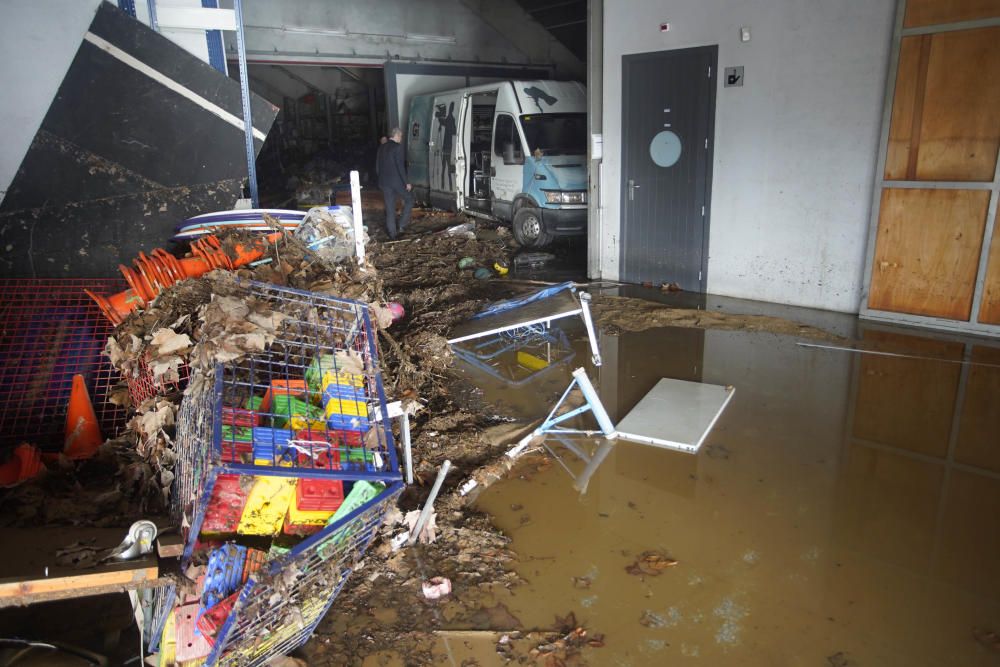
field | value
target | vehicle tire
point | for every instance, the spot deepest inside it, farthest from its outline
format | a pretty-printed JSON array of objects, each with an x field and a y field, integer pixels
[{"x": 529, "y": 230}]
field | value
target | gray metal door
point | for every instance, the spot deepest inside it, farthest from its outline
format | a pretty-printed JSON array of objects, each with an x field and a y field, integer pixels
[{"x": 668, "y": 117}]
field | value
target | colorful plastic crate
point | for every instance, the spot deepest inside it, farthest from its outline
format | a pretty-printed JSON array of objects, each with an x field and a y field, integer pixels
[{"x": 226, "y": 506}]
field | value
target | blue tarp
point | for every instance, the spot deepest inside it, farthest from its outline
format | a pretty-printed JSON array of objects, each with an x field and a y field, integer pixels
[{"x": 511, "y": 304}]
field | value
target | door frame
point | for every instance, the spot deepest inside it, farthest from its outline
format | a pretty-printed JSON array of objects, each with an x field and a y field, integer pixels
[{"x": 627, "y": 60}]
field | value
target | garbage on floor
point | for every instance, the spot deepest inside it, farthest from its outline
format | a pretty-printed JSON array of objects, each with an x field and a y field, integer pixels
[{"x": 262, "y": 427}]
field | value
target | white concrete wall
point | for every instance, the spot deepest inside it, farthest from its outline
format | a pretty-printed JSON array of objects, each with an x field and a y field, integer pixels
[
  {"x": 795, "y": 148},
  {"x": 38, "y": 41}
]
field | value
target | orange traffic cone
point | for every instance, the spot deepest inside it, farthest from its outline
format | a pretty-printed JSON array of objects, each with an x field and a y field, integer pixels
[
  {"x": 83, "y": 435},
  {"x": 25, "y": 462}
]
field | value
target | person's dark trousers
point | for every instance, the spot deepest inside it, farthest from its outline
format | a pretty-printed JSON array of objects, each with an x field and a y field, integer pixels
[{"x": 390, "y": 196}]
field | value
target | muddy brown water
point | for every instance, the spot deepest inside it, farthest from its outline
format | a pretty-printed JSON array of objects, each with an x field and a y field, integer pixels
[{"x": 842, "y": 512}]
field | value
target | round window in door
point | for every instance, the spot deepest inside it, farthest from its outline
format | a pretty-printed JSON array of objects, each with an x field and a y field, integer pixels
[{"x": 665, "y": 149}]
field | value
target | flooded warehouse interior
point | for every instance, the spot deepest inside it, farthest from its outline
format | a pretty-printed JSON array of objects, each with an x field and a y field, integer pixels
[{"x": 533, "y": 332}]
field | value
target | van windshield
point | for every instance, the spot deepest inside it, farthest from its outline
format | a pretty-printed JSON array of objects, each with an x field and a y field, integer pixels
[{"x": 556, "y": 133}]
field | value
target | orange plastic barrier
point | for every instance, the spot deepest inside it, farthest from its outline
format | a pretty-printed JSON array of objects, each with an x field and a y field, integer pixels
[{"x": 150, "y": 274}]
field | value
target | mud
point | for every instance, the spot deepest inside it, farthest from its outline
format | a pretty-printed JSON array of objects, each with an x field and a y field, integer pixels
[{"x": 616, "y": 314}]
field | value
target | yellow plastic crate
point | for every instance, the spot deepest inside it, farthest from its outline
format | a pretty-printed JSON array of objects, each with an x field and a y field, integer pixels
[
  {"x": 168, "y": 642},
  {"x": 281, "y": 464},
  {"x": 308, "y": 517},
  {"x": 347, "y": 407},
  {"x": 346, "y": 379},
  {"x": 301, "y": 423},
  {"x": 266, "y": 507}
]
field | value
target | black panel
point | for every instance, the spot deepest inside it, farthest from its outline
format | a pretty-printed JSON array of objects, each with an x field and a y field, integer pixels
[
  {"x": 665, "y": 216},
  {"x": 90, "y": 239},
  {"x": 160, "y": 53},
  {"x": 121, "y": 157}
]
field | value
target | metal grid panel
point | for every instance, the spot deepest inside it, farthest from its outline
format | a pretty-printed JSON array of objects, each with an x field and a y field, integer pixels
[
  {"x": 145, "y": 386},
  {"x": 278, "y": 609},
  {"x": 163, "y": 606},
  {"x": 52, "y": 331},
  {"x": 228, "y": 428}
]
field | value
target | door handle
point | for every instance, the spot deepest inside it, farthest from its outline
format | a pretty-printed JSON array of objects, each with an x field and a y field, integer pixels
[{"x": 631, "y": 189}]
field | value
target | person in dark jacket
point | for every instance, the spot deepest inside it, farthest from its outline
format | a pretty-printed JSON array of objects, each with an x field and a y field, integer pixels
[
  {"x": 393, "y": 183},
  {"x": 383, "y": 140}
]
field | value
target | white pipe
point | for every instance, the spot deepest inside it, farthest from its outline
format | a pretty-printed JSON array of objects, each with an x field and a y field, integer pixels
[
  {"x": 404, "y": 428},
  {"x": 425, "y": 513},
  {"x": 585, "y": 313},
  {"x": 359, "y": 230}
]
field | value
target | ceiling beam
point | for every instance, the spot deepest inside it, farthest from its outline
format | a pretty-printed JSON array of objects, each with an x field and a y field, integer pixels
[{"x": 538, "y": 10}]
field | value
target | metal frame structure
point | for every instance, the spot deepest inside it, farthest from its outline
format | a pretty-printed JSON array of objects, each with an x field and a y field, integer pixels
[
  {"x": 279, "y": 606},
  {"x": 275, "y": 613},
  {"x": 483, "y": 354},
  {"x": 241, "y": 53},
  {"x": 583, "y": 311},
  {"x": 52, "y": 331},
  {"x": 972, "y": 325},
  {"x": 321, "y": 327}
]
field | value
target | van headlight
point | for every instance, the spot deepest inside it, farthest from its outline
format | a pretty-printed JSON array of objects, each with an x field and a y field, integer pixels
[{"x": 565, "y": 196}]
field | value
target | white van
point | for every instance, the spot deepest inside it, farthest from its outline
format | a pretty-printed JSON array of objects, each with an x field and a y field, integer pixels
[{"x": 513, "y": 151}]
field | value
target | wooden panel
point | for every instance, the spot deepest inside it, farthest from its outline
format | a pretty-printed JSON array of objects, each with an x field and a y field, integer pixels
[
  {"x": 927, "y": 251},
  {"x": 933, "y": 12},
  {"x": 989, "y": 311},
  {"x": 906, "y": 402},
  {"x": 909, "y": 85},
  {"x": 979, "y": 432},
  {"x": 959, "y": 119}
]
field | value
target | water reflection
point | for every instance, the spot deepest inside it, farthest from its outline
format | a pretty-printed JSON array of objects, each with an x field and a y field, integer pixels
[{"x": 843, "y": 510}]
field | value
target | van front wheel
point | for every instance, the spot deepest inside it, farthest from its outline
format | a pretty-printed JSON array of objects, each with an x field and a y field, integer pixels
[{"x": 528, "y": 228}]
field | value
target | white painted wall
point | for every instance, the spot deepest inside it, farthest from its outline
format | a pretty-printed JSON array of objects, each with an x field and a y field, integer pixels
[
  {"x": 38, "y": 41},
  {"x": 795, "y": 148}
]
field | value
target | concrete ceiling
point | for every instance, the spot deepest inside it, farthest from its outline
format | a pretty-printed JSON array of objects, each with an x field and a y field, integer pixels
[{"x": 566, "y": 20}]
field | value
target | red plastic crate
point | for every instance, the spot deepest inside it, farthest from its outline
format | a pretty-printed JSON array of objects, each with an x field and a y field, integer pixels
[
  {"x": 240, "y": 417},
  {"x": 52, "y": 331},
  {"x": 213, "y": 618},
  {"x": 313, "y": 495},
  {"x": 226, "y": 506}
]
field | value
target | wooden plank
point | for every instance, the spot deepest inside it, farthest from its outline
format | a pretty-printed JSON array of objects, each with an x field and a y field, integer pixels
[
  {"x": 927, "y": 251},
  {"x": 904, "y": 99},
  {"x": 979, "y": 431},
  {"x": 919, "y": 97},
  {"x": 170, "y": 545},
  {"x": 957, "y": 129},
  {"x": 989, "y": 311},
  {"x": 904, "y": 402},
  {"x": 82, "y": 584},
  {"x": 921, "y": 13}
]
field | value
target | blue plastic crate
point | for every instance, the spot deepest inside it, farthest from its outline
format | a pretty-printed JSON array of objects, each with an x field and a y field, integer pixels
[{"x": 223, "y": 574}]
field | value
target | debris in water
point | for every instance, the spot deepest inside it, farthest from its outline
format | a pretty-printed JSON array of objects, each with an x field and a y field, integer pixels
[
  {"x": 987, "y": 638},
  {"x": 436, "y": 588},
  {"x": 651, "y": 563}
]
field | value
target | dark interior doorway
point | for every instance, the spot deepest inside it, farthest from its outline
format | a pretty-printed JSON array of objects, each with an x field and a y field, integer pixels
[{"x": 330, "y": 122}]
